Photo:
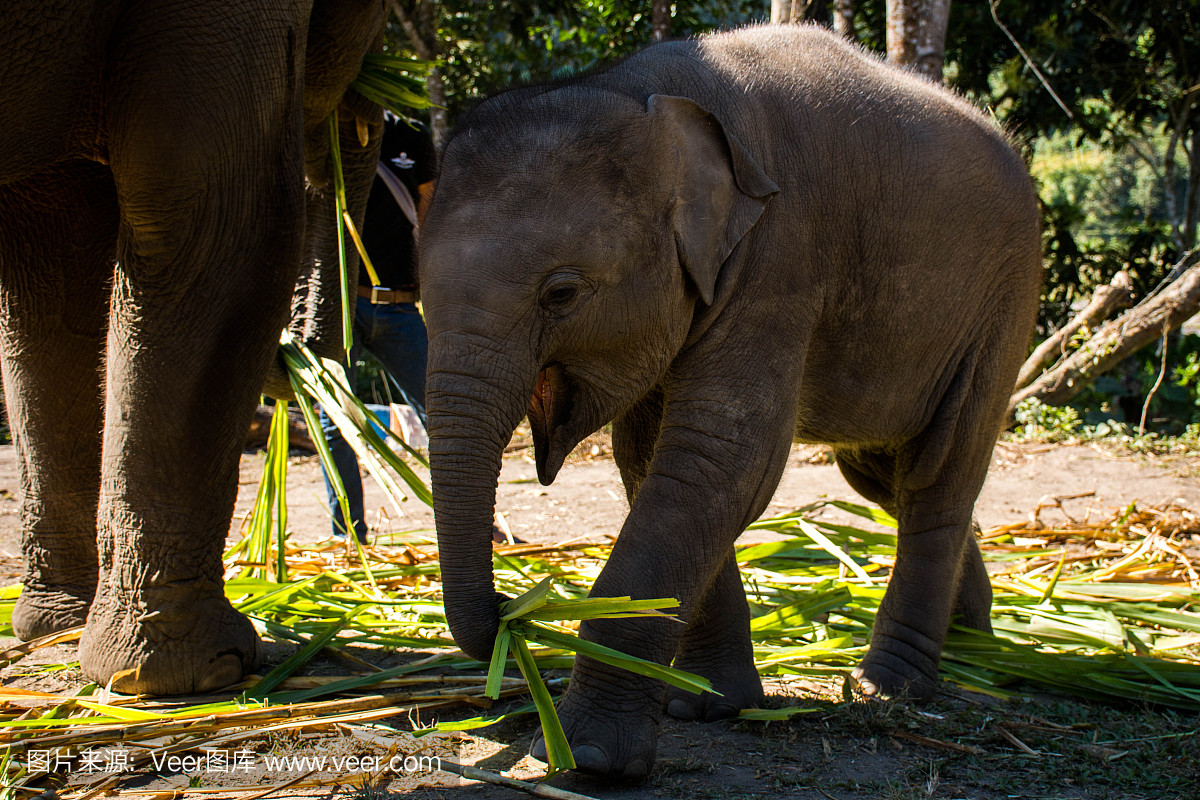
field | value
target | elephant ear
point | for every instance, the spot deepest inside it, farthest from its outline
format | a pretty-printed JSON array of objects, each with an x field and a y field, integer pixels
[{"x": 720, "y": 189}]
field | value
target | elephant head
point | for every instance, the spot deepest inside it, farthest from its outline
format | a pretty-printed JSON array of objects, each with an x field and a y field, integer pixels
[{"x": 572, "y": 238}]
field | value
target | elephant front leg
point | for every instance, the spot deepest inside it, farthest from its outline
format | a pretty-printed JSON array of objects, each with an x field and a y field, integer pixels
[
  {"x": 56, "y": 251},
  {"x": 716, "y": 643},
  {"x": 709, "y": 478},
  {"x": 209, "y": 178}
]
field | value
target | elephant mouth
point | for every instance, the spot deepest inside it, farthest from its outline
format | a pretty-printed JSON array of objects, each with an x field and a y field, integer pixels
[{"x": 549, "y": 412}]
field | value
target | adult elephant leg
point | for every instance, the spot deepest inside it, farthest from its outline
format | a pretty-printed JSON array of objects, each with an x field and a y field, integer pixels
[
  {"x": 715, "y": 466},
  {"x": 938, "y": 565},
  {"x": 56, "y": 252},
  {"x": 209, "y": 180}
]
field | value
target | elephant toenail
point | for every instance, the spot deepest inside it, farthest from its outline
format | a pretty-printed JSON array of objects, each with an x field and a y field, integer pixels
[
  {"x": 637, "y": 769},
  {"x": 589, "y": 758},
  {"x": 681, "y": 709}
]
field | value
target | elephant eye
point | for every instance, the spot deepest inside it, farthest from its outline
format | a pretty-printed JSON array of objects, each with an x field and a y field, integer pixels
[{"x": 559, "y": 293}]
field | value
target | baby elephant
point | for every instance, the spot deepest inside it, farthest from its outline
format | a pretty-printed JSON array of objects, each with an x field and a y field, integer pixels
[{"x": 722, "y": 245}]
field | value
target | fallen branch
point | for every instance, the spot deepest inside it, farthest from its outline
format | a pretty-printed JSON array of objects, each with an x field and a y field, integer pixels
[
  {"x": 1114, "y": 295},
  {"x": 1163, "y": 311}
]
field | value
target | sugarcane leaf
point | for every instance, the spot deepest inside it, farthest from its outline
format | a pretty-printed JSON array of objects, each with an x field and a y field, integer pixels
[
  {"x": 767, "y": 714},
  {"x": 530, "y": 601},
  {"x": 558, "y": 749},
  {"x": 876, "y": 515},
  {"x": 650, "y": 669},
  {"x": 303, "y": 655},
  {"x": 499, "y": 657},
  {"x": 601, "y": 608},
  {"x": 474, "y": 723},
  {"x": 823, "y": 541}
]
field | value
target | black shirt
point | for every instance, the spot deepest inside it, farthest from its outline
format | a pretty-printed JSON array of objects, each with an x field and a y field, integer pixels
[{"x": 387, "y": 234}]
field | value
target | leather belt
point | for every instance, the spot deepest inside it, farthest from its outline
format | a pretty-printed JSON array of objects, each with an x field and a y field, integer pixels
[{"x": 379, "y": 295}]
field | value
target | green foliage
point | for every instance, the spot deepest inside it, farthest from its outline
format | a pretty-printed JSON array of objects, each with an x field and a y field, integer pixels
[
  {"x": 394, "y": 81},
  {"x": 1119, "y": 396},
  {"x": 1102, "y": 212},
  {"x": 1036, "y": 420},
  {"x": 1126, "y": 70},
  {"x": 489, "y": 46}
]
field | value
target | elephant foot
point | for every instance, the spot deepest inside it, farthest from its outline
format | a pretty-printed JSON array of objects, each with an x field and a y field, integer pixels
[
  {"x": 885, "y": 673},
  {"x": 606, "y": 744},
  {"x": 42, "y": 610},
  {"x": 736, "y": 684},
  {"x": 188, "y": 646}
]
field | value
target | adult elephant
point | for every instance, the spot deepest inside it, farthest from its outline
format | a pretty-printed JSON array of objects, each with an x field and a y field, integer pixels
[
  {"x": 720, "y": 245},
  {"x": 152, "y": 226}
]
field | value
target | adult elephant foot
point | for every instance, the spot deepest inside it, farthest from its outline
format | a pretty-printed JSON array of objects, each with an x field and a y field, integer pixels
[
  {"x": 188, "y": 646},
  {"x": 42, "y": 610},
  {"x": 605, "y": 742},
  {"x": 735, "y": 683}
]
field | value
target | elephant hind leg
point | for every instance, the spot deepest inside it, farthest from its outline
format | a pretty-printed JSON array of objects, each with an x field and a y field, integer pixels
[
  {"x": 56, "y": 256},
  {"x": 873, "y": 475},
  {"x": 973, "y": 599},
  {"x": 939, "y": 570},
  {"x": 209, "y": 177}
]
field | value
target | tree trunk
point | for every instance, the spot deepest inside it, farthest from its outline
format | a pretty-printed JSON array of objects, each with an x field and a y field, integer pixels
[
  {"x": 660, "y": 20},
  {"x": 1162, "y": 312},
  {"x": 419, "y": 20},
  {"x": 1191, "y": 198},
  {"x": 788, "y": 10},
  {"x": 916, "y": 35},
  {"x": 843, "y": 19}
]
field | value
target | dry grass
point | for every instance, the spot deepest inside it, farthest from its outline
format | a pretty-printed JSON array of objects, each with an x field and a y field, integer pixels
[{"x": 1101, "y": 608}]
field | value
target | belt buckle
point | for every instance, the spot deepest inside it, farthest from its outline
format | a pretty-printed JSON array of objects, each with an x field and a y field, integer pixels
[{"x": 375, "y": 290}]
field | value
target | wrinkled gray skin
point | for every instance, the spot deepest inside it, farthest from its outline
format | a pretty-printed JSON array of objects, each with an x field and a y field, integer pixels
[
  {"x": 152, "y": 228},
  {"x": 722, "y": 245}
]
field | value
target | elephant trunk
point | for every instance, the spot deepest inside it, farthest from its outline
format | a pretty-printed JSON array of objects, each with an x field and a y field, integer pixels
[{"x": 471, "y": 418}]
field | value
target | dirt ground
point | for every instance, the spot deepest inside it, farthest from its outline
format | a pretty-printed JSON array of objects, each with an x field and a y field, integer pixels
[
  {"x": 587, "y": 500},
  {"x": 962, "y": 745}
]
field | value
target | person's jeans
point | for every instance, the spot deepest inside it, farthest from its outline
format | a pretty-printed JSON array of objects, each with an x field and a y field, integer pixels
[{"x": 395, "y": 335}]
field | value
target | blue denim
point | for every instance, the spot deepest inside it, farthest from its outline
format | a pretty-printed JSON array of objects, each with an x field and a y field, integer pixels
[{"x": 396, "y": 336}]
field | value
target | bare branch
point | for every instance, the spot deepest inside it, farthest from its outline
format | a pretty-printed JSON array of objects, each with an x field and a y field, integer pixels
[{"x": 1029, "y": 61}]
